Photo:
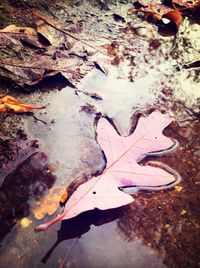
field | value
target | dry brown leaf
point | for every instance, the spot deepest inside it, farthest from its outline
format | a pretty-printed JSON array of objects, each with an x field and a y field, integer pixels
[
  {"x": 26, "y": 34},
  {"x": 10, "y": 104},
  {"x": 27, "y": 67},
  {"x": 53, "y": 36},
  {"x": 171, "y": 28},
  {"x": 43, "y": 21}
]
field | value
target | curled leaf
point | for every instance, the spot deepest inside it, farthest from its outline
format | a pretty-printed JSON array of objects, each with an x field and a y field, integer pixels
[
  {"x": 171, "y": 26},
  {"x": 10, "y": 104}
]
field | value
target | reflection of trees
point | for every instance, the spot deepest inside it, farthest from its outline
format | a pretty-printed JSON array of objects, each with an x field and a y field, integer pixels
[
  {"x": 28, "y": 179},
  {"x": 169, "y": 221}
]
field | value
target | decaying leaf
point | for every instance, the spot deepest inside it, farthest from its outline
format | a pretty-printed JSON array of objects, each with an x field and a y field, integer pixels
[
  {"x": 29, "y": 55},
  {"x": 10, "y": 104},
  {"x": 171, "y": 27},
  {"x": 50, "y": 203},
  {"x": 122, "y": 169},
  {"x": 25, "y": 34},
  {"x": 53, "y": 36},
  {"x": 182, "y": 5},
  {"x": 168, "y": 16},
  {"x": 43, "y": 23}
]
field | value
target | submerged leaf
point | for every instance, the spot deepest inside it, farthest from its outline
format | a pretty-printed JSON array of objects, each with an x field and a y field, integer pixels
[
  {"x": 9, "y": 103},
  {"x": 50, "y": 203},
  {"x": 122, "y": 169}
]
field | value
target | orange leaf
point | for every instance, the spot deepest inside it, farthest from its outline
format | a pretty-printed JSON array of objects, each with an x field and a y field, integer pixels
[
  {"x": 49, "y": 203},
  {"x": 9, "y": 103}
]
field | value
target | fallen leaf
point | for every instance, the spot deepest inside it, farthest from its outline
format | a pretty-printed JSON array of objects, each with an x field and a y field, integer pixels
[
  {"x": 10, "y": 104},
  {"x": 122, "y": 169},
  {"x": 25, "y": 34},
  {"x": 172, "y": 11},
  {"x": 44, "y": 22},
  {"x": 56, "y": 52},
  {"x": 50, "y": 203},
  {"x": 170, "y": 28},
  {"x": 52, "y": 35}
]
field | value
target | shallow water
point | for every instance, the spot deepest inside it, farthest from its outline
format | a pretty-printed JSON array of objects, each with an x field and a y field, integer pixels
[{"x": 112, "y": 238}]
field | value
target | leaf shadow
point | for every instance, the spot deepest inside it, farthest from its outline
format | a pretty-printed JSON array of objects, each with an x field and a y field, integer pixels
[{"x": 73, "y": 229}]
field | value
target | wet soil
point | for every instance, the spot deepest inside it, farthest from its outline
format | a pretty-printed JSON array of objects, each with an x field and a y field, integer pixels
[{"x": 41, "y": 154}]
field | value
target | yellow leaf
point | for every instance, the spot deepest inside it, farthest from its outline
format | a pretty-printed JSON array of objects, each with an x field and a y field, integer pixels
[
  {"x": 25, "y": 222},
  {"x": 178, "y": 188},
  {"x": 9, "y": 103}
]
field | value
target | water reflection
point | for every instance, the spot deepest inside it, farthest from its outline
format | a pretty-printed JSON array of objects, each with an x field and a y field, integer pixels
[{"x": 28, "y": 179}]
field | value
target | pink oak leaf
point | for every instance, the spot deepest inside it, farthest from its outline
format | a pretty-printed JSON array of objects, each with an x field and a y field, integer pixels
[{"x": 122, "y": 169}]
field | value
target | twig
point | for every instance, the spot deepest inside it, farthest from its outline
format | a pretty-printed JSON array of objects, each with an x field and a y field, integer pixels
[{"x": 40, "y": 120}]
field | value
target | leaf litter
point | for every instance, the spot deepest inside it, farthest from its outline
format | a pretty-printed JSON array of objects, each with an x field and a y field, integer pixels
[
  {"x": 168, "y": 15},
  {"x": 51, "y": 55}
]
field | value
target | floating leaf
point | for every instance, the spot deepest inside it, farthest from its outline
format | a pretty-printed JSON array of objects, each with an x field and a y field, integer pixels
[
  {"x": 10, "y": 104},
  {"x": 122, "y": 169}
]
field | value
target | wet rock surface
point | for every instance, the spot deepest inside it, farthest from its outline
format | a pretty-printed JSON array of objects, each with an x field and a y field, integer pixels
[{"x": 141, "y": 71}]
